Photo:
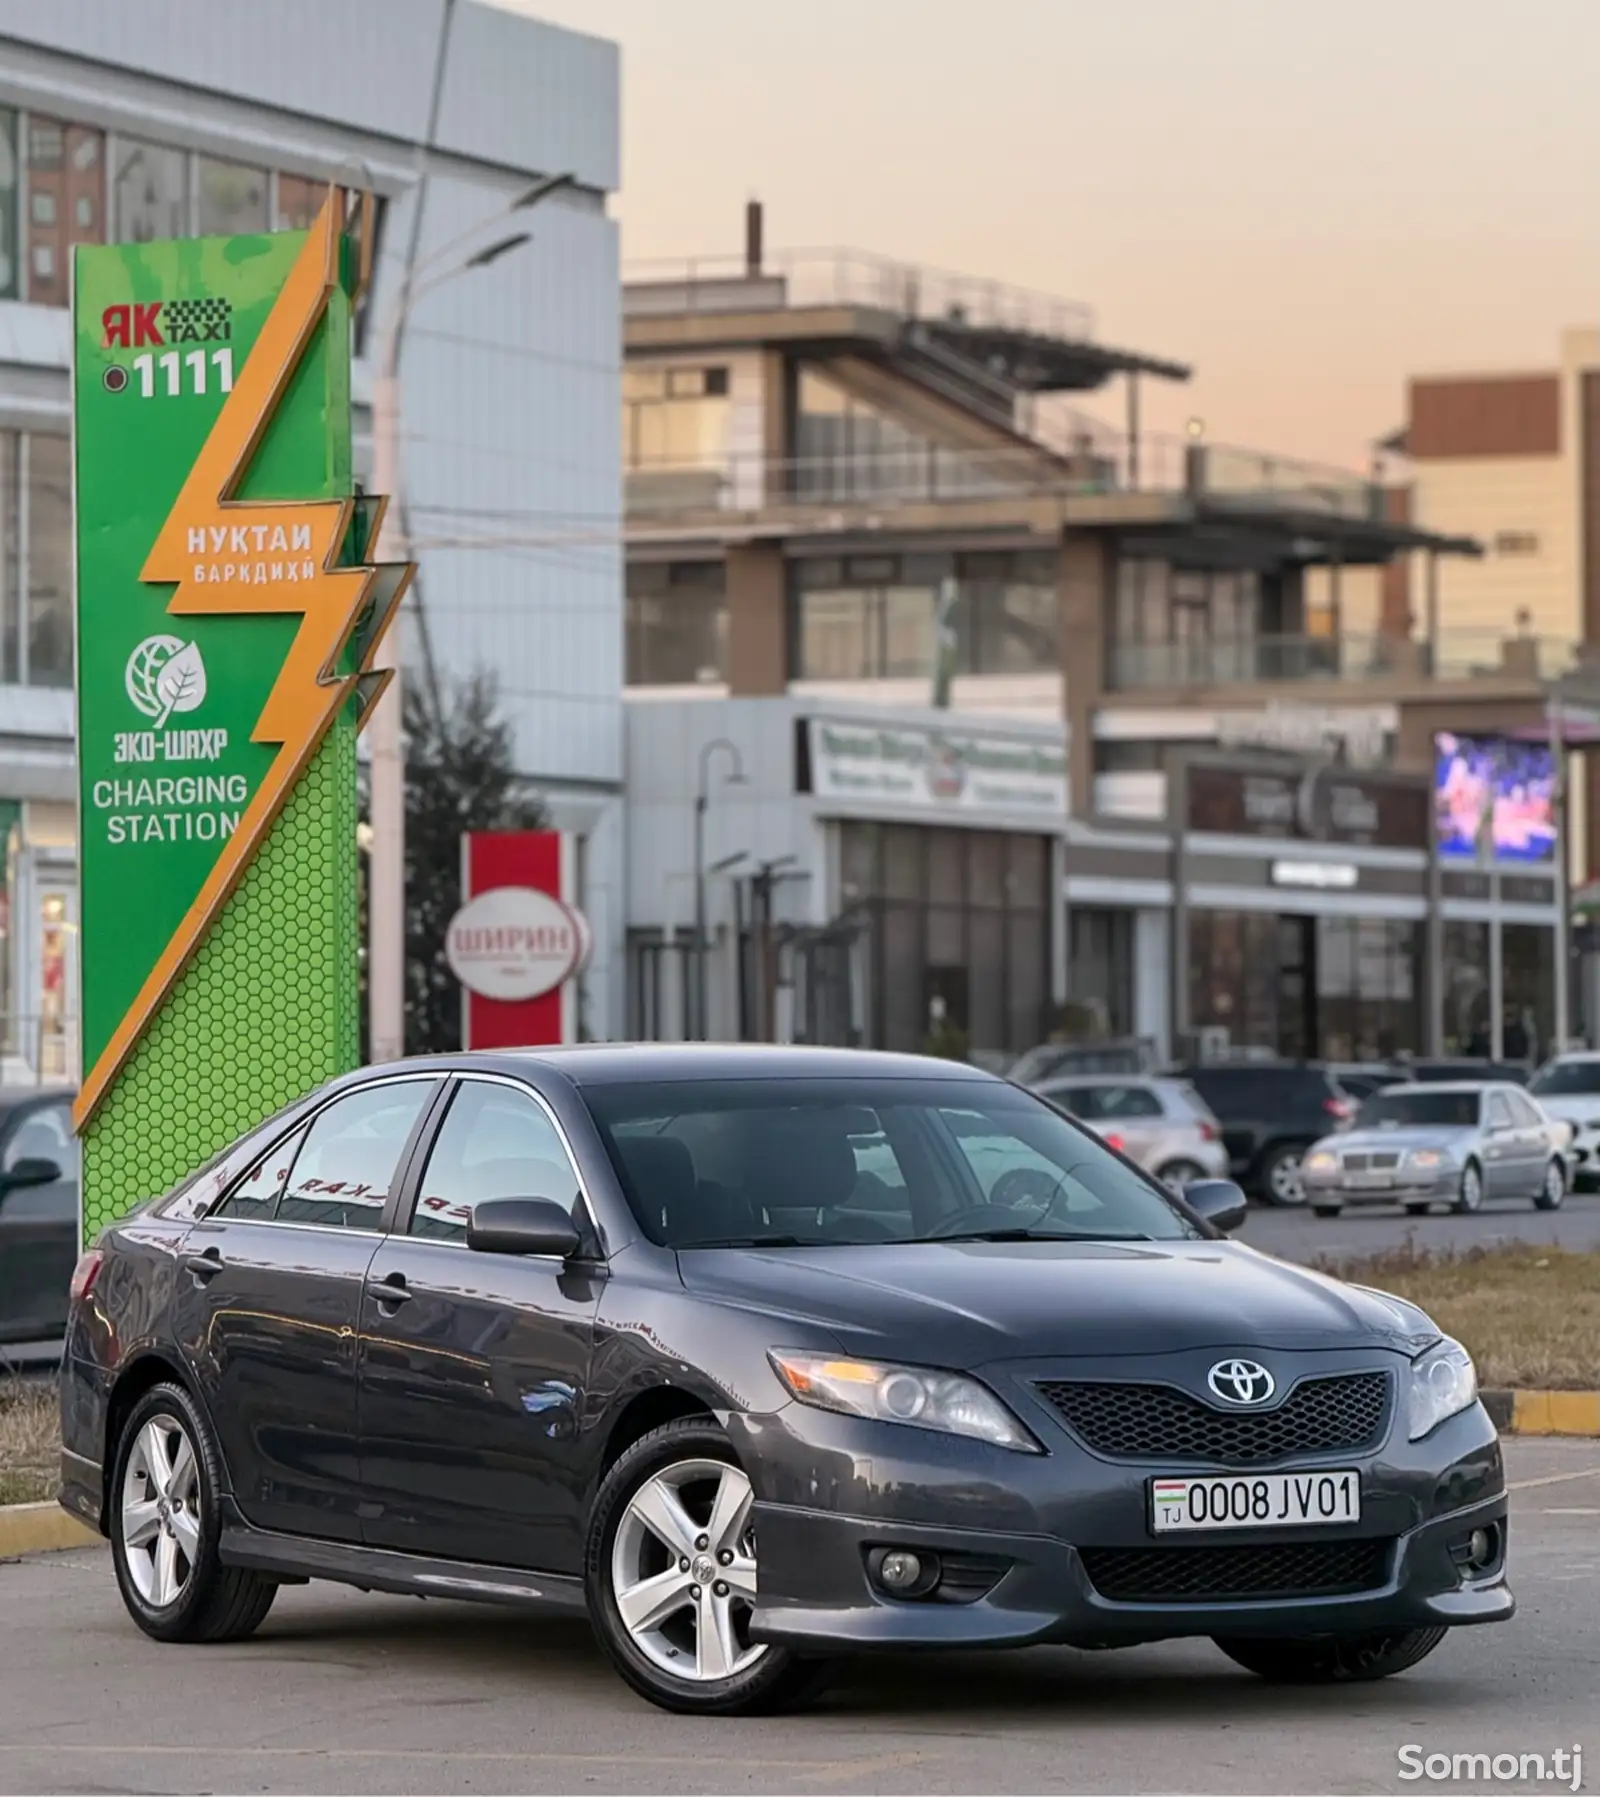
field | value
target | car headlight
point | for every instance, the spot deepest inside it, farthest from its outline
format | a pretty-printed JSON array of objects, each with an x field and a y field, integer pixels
[
  {"x": 902, "y": 1394},
  {"x": 1443, "y": 1382},
  {"x": 1426, "y": 1158},
  {"x": 1322, "y": 1162}
]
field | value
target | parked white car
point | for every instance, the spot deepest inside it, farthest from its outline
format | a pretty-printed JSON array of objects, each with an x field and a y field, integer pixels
[
  {"x": 1163, "y": 1124},
  {"x": 1568, "y": 1087}
]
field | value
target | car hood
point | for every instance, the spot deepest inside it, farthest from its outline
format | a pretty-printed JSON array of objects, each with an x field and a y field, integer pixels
[
  {"x": 1403, "y": 1137},
  {"x": 1574, "y": 1107},
  {"x": 965, "y": 1303}
]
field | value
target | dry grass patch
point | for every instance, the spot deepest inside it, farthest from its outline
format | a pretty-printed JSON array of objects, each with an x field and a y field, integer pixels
[
  {"x": 30, "y": 1442},
  {"x": 1528, "y": 1315}
]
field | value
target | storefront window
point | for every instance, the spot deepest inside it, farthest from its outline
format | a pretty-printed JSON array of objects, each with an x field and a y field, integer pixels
[
  {"x": 149, "y": 192},
  {"x": 49, "y": 561},
  {"x": 1465, "y": 999},
  {"x": 66, "y": 202},
  {"x": 10, "y": 813},
  {"x": 951, "y": 919},
  {"x": 1367, "y": 988},
  {"x": 1233, "y": 976},
  {"x": 1528, "y": 981},
  {"x": 233, "y": 197},
  {"x": 1100, "y": 969},
  {"x": 677, "y": 623}
]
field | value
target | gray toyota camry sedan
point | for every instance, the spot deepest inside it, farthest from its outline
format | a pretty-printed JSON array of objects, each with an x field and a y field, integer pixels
[{"x": 763, "y": 1357}]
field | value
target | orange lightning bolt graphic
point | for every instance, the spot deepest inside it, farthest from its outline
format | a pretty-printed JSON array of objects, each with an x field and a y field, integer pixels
[{"x": 207, "y": 527}]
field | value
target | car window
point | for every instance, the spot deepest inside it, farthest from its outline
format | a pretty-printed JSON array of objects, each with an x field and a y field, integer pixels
[
  {"x": 1411, "y": 1109},
  {"x": 1499, "y": 1111},
  {"x": 1099, "y": 1104},
  {"x": 495, "y": 1142},
  {"x": 348, "y": 1157},
  {"x": 255, "y": 1196},
  {"x": 44, "y": 1134},
  {"x": 1525, "y": 1111},
  {"x": 802, "y": 1162},
  {"x": 1189, "y": 1100},
  {"x": 1571, "y": 1079}
]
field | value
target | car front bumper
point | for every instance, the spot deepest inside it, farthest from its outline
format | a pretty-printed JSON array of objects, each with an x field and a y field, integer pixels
[
  {"x": 1404, "y": 1188},
  {"x": 1023, "y": 1533}
]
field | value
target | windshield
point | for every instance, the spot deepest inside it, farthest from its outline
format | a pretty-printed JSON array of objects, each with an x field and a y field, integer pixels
[
  {"x": 1567, "y": 1078},
  {"x": 1445, "y": 1110},
  {"x": 789, "y": 1163}
]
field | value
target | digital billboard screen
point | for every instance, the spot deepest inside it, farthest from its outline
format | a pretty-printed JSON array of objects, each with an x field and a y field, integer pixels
[{"x": 1494, "y": 799}]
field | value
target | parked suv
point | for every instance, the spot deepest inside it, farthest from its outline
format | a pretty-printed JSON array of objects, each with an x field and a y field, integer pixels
[{"x": 1271, "y": 1112}]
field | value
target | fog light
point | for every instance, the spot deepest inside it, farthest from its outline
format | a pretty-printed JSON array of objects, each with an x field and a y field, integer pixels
[
  {"x": 1480, "y": 1547},
  {"x": 902, "y": 1571}
]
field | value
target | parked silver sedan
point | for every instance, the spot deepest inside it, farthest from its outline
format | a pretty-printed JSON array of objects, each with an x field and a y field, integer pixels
[
  {"x": 1163, "y": 1124},
  {"x": 1454, "y": 1144}
]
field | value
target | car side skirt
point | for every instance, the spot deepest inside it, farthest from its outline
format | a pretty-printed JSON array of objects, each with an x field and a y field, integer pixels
[{"x": 406, "y": 1575}]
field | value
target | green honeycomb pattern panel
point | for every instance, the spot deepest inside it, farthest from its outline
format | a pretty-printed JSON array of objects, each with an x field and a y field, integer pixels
[{"x": 266, "y": 1010}]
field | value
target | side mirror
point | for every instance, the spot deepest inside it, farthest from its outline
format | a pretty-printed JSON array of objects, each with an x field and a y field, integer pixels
[
  {"x": 522, "y": 1226},
  {"x": 1218, "y": 1202},
  {"x": 31, "y": 1170}
]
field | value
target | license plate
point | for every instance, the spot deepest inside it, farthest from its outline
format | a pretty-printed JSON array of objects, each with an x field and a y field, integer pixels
[
  {"x": 1371, "y": 1182},
  {"x": 1272, "y": 1501}
]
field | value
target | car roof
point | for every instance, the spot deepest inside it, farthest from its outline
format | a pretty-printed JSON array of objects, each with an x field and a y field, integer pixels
[
  {"x": 1111, "y": 1079},
  {"x": 1448, "y": 1085},
  {"x": 612, "y": 1063}
]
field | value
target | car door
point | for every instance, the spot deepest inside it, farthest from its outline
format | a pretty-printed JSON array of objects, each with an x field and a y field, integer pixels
[
  {"x": 270, "y": 1298},
  {"x": 1504, "y": 1156},
  {"x": 1534, "y": 1143},
  {"x": 38, "y": 1224},
  {"x": 473, "y": 1367}
]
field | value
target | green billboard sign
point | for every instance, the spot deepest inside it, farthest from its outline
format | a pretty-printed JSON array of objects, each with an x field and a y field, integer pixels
[{"x": 227, "y": 620}]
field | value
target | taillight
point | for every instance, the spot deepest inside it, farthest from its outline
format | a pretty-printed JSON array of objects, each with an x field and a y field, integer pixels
[
  {"x": 1208, "y": 1132},
  {"x": 84, "y": 1274},
  {"x": 1116, "y": 1141},
  {"x": 1341, "y": 1108}
]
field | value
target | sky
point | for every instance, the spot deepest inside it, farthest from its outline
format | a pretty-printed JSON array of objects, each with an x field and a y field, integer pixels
[{"x": 1307, "y": 202}]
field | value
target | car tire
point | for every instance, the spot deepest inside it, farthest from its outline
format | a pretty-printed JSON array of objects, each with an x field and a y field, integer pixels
[
  {"x": 682, "y": 1464},
  {"x": 1280, "y": 1179},
  {"x": 1177, "y": 1175},
  {"x": 1418, "y": 1210},
  {"x": 1331, "y": 1660},
  {"x": 1552, "y": 1193},
  {"x": 1327, "y": 1210},
  {"x": 1469, "y": 1194},
  {"x": 165, "y": 1524}
]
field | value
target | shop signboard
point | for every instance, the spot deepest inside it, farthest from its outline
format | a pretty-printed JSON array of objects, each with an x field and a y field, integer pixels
[
  {"x": 917, "y": 768},
  {"x": 519, "y": 943},
  {"x": 1317, "y": 804},
  {"x": 228, "y": 619}
]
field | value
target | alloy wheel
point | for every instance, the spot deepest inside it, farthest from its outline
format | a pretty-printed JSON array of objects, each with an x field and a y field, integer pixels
[
  {"x": 161, "y": 1511},
  {"x": 1555, "y": 1188},
  {"x": 1471, "y": 1188},
  {"x": 683, "y": 1570},
  {"x": 1287, "y": 1185}
]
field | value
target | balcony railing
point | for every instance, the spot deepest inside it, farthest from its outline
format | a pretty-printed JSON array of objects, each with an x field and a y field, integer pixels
[
  {"x": 845, "y": 277},
  {"x": 1266, "y": 660},
  {"x": 1101, "y": 462}
]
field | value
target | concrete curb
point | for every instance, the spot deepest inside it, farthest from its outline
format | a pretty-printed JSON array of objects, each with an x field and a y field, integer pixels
[
  {"x": 1544, "y": 1412},
  {"x": 41, "y": 1529}
]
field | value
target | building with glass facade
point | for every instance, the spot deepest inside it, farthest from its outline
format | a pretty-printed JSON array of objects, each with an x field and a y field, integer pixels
[{"x": 157, "y": 118}]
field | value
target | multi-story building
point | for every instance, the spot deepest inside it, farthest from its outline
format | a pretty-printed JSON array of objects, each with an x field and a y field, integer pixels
[
  {"x": 154, "y": 118},
  {"x": 846, "y": 475}
]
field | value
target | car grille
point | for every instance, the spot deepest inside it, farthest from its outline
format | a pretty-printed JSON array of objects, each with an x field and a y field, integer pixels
[
  {"x": 1359, "y": 1162},
  {"x": 1158, "y": 1422},
  {"x": 1146, "y": 1575}
]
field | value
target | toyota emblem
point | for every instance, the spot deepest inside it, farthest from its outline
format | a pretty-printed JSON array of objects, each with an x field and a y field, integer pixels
[{"x": 1241, "y": 1382}]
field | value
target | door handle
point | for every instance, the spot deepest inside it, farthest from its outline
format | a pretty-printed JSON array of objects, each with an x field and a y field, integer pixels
[
  {"x": 392, "y": 1290},
  {"x": 204, "y": 1266}
]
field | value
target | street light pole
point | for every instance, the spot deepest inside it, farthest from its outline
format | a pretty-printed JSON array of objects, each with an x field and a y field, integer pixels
[
  {"x": 702, "y": 801},
  {"x": 386, "y": 865}
]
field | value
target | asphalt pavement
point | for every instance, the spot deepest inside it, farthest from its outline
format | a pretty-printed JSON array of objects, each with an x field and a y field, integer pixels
[
  {"x": 1371, "y": 1229},
  {"x": 345, "y": 1693}
]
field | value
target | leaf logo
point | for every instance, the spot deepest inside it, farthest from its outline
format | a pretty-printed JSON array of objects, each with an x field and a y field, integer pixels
[{"x": 165, "y": 675}]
